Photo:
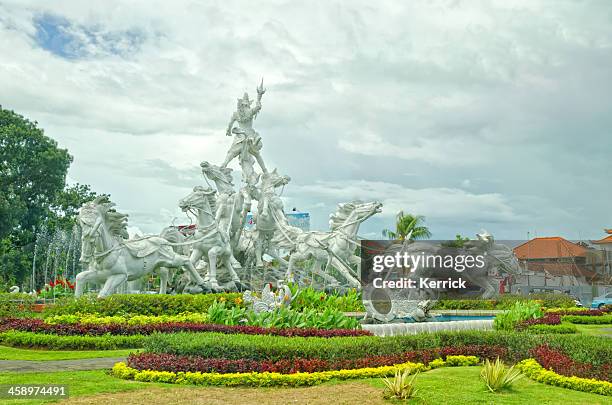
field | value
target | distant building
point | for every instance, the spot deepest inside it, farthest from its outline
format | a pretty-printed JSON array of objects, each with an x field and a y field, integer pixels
[
  {"x": 556, "y": 264},
  {"x": 294, "y": 218},
  {"x": 605, "y": 246}
]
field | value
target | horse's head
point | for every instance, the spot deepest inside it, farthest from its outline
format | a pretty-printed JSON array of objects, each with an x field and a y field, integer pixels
[
  {"x": 222, "y": 176},
  {"x": 273, "y": 179},
  {"x": 353, "y": 213},
  {"x": 200, "y": 199}
]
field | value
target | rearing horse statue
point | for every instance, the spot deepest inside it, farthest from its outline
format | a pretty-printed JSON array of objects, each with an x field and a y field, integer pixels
[{"x": 113, "y": 259}]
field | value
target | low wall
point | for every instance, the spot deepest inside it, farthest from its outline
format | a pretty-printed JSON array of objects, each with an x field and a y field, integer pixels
[{"x": 393, "y": 329}]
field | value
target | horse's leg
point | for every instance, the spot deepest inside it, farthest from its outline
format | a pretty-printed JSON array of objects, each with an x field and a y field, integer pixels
[
  {"x": 189, "y": 264},
  {"x": 163, "y": 279},
  {"x": 111, "y": 284},
  {"x": 213, "y": 253},
  {"x": 342, "y": 269},
  {"x": 81, "y": 279}
]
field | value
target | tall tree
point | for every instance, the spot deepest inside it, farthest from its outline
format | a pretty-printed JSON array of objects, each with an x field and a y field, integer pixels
[
  {"x": 408, "y": 226},
  {"x": 33, "y": 192}
]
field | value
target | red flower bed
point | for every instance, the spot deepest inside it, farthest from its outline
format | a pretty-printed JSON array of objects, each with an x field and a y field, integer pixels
[
  {"x": 39, "y": 326},
  {"x": 176, "y": 363},
  {"x": 548, "y": 319},
  {"x": 565, "y": 365}
]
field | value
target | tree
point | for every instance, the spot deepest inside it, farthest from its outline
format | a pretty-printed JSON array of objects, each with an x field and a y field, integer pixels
[
  {"x": 32, "y": 173},
  {"x": 408, "y": 225},
  {"x": 457, "y": 243},
  {"x": 33, "y": 192}
]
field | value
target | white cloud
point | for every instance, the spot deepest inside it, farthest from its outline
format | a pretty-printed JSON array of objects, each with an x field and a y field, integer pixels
[{"x": 513, "y": 95}]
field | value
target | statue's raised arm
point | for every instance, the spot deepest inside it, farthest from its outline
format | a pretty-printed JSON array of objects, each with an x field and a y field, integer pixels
[{"x": 260, "y": 93}]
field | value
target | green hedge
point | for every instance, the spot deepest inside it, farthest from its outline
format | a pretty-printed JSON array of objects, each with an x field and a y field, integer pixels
[
  {"x": 55, "y": 342},
  {"x": 590, "y": 349},
  {"x": 548, "y": 300},
  {"x": 588, "y": 320},
  {"x": 563, "y": 328},
  {"x": 142, "y": 304}
]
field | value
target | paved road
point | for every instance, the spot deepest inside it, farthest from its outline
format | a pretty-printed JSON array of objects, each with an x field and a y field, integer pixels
[{"x": 58, "y": 365}]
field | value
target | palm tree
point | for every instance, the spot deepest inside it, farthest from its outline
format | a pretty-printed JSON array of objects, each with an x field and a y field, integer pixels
[{"x": 408, "y": 226}]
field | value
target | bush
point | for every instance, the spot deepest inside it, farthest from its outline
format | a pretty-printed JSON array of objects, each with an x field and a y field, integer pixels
[
  {"x": 176, "y": 363},
  {"x": 520, "y": 311},
  {"x": 16, "y": 304},
  {"x": 548, "y": 319},
  {"x": 54, "y": 342},
  {"x": 535, "y": 371},
  {"x": 577, "y": 311},
  {"x": 565, "y": 365},
  {"x": 142, "y": 304},
  {"x": 121, "y": 370},
  {"x": 588, "y": 320},
  {"x": 506, "y": 301},
  {"x": 562, "y": 328},
  {"x": 309, "y": 298},
  {"x": 590, "y": 349},
  {"x": 497, "y": 377},
  {"x": 132, "y": 320}
]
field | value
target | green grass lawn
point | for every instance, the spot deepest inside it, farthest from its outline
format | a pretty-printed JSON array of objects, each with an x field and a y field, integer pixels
[
  {"x": 452, "y": 385},
  {"x": 595, "y": 330},
  {"x": 12, "y": 353},
  {"x": 462, "y": 385}
]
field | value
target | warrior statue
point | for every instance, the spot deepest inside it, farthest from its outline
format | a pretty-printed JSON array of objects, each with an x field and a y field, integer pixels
[{"x": 247, "y": 142}]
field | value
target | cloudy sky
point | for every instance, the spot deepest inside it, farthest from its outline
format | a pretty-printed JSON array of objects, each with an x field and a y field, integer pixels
[{"x": 492, "y": 114}]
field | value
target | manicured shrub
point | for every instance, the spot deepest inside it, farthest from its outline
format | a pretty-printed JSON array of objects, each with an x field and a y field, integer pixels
[
  {"x": 548, "y": 319},
  {"x": 589, "y": 349},
  {"x": 93, "y": 319},
  {"x": 177, "y": 363},
  {"x": 40, "y": 326},
  {"x": 563, "y": 328},
  {"x": 588, "y": 320},
  {"x": 565, "y": 365},
  {"x": 506, "y": 301},
  {"x": 535, "y": 371},
  {"x": 54, "y": 342},
  {"x": 143, "y": 304},
  {"x": 578, "y": 311},
  {"x": 121, "y": 370}
]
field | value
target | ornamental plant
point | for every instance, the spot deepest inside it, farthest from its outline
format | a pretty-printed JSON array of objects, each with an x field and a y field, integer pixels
[
  {"x": 401, "y": 386},
  {"x": 57, "y": 288},
  {"x": 497, "y": 377},
  {"x": 520, "y": 311}
]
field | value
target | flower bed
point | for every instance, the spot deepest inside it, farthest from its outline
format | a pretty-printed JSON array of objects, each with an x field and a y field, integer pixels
[
  {"x": 578, "y": 311},
  {"x": 590, "y": 349},
  {"x": 40, "y": 326},
  {"x": 266, "y": 379},
  {"x": 175, "y": 363},
  {"x": 535, "y": 371},
  {"x": 565, "y": 365}
]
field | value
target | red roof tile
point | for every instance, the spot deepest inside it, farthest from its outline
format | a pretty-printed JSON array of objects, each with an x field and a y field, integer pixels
[{"x": 549, "y": 248}]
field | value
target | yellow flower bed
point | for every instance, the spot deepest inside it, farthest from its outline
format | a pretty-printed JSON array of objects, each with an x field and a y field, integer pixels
[
  {"x": 121, "y": 370},
  {"x": 532, "y": 369}
]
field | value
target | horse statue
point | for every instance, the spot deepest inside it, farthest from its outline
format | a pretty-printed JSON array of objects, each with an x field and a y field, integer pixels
[
  {"x": 209, "y": 241},
  {"x": 113, "y": 259},
  {"x": 337, "y": 247}
]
